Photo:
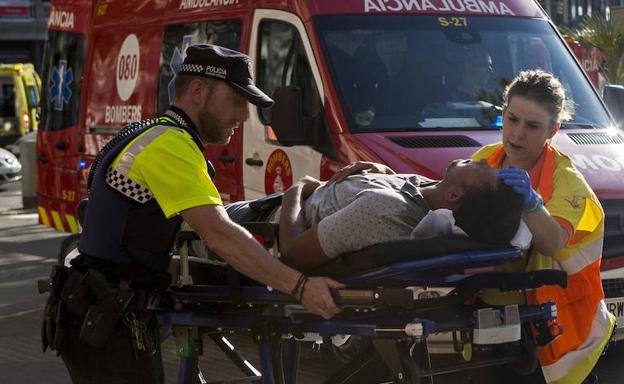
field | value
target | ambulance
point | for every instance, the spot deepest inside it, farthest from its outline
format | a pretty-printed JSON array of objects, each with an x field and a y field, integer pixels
[
  {"x": 413, "y": 84},
  {"x": 60, "y": 149},
  {"x": 19, "y": 98}
]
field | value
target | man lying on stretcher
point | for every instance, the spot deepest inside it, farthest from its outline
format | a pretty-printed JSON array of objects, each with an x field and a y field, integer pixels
[{"x": 320, "y": 221}]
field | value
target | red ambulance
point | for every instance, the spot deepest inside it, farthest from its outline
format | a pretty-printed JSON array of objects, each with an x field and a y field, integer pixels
[
  {"x": 413, "y": 84},
  {"x": 60, "y": 149}
]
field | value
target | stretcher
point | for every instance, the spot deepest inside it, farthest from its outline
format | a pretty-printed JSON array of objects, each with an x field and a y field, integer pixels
[{"x": 380, "y": 306}]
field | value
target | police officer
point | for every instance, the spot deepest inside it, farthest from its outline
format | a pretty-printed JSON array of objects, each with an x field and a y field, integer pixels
[{"x": 148, "y": 179}]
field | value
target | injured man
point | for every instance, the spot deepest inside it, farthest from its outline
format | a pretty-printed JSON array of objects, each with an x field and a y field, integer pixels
[{"x": 321, "y": 220}]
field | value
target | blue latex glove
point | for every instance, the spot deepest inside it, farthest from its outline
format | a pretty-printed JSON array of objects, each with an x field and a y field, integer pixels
[{"x": 518, "y": 179}]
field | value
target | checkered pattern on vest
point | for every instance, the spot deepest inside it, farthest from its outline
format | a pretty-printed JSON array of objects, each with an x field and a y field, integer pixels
[{"x": 126, "y": 186}]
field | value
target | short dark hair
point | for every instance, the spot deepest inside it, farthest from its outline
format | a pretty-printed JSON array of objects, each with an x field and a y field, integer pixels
[
  {"x": 181, "y": 83},
  {"x": 489, "y": 214}
]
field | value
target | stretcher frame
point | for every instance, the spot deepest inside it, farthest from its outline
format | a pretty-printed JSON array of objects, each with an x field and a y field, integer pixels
[{"x": 390, "y": 316}]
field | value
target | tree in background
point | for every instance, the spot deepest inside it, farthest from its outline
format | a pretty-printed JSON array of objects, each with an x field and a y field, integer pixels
[{"x": 608, "y": 36}]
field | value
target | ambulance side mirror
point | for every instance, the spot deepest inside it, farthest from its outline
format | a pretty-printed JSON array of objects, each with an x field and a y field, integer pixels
[
  {"x": 287, "y": 116},
  {"x": 613, "y": 97}
]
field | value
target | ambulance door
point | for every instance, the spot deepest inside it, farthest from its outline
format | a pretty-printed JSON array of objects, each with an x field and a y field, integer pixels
[
  {"x": 282, "y": 54},
  {"x": 177, "y": 37},
  {"x": 123, "y": 83},
  {"x": 57, "y": 147}
]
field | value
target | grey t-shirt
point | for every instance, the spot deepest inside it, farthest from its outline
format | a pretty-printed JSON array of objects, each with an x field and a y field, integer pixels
[{"x": 364, "y": 210}]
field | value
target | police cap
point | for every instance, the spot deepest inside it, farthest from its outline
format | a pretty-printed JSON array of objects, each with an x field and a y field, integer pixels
[{"x": 215, "y": 62}]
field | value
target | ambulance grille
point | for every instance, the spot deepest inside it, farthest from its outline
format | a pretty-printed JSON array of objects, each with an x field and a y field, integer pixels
[
  {"x": 614, "y": 228},
  {"x": 595, "y": 138},
  {"x": 434, "y": 141},
  {"x": 613, "y": 287}
]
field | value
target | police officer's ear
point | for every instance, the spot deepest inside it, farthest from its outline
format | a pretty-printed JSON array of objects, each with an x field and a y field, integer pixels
[{"x": 197, "y": 91}]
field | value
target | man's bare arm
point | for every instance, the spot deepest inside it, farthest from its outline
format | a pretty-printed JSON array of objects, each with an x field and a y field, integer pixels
[
  {"x": 299, "y": 245},
  {"x": 238, "y": 248},
  {"x": 360, "y": 167}
]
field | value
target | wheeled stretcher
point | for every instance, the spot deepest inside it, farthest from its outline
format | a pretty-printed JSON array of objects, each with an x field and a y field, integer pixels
[{"x": 380, "y": 306}]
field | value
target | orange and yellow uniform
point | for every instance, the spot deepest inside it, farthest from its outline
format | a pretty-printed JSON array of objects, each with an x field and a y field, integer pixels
[{"x": 587, "y": 324}]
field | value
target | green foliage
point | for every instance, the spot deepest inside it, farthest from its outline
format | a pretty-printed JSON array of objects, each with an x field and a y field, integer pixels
[{"x": 608, "y": 36}]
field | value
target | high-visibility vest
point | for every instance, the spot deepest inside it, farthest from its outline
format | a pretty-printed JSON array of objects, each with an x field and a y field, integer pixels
[
  {"x": 122, "y": 230},
  {"x": 586, "y": 322}
]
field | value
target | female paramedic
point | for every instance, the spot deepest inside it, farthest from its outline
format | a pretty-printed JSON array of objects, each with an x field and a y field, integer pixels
[{"x": 566, "y": 220}]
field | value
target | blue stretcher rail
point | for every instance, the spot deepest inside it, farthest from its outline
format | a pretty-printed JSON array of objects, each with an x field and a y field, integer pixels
[
  {"x": 378, "y": 306},
  {"x": 438, "y": 270}
]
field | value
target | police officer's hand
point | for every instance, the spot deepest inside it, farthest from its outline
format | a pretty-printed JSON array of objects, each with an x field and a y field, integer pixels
[
  {"x": 518, "y": 179},
  {"x": 360, "y": 167},
  {"x": 317, "y": 298}
]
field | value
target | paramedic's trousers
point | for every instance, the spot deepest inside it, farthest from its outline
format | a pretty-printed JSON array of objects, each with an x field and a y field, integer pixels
[{"x": 118, "y": 362}]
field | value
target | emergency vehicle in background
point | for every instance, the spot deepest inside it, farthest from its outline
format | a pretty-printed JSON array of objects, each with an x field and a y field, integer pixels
[
  {"x": 61, "y": 151},
  {"x": 591, "y": 59},
  {"x": 413, "y": 84},
  {"x": 19, "y": 97}
]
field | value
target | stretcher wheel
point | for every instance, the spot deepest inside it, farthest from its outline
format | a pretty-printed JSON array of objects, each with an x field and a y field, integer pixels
[
  {"x": 527, "y": 361},
  {"x": 339, "y": 355}
]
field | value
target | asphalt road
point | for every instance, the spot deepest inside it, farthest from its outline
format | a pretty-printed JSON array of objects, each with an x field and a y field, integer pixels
[{"x": 26, "y": 252}]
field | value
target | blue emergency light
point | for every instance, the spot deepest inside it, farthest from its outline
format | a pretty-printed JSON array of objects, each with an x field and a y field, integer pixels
[{"x": 497, "y": 121}]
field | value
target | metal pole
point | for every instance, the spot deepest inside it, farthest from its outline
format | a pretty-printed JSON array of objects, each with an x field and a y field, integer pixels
[
  {"x": 235, "y": 356},
  {"x": 266, "y": 362}
]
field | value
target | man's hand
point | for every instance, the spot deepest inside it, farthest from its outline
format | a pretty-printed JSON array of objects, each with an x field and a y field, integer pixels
[
  {"x": 518, "y": 179},
  {"x": 360, "y": 167},
  {"x": 317, "y": 298}
]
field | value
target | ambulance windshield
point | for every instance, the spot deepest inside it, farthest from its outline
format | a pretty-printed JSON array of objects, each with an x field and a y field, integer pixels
[{"x": 419, "y": 72}]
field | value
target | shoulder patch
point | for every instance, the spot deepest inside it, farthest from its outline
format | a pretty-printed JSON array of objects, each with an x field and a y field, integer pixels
[
  {"x": 127, "y": 187},
  {"x": 575, "y": 201}
]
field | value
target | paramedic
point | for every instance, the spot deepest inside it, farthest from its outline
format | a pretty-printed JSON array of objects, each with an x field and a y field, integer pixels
[
  {"x": 320, "y": 221},
  {"x": 143, "y": 184},
  {"x": 566, "y": 220}
]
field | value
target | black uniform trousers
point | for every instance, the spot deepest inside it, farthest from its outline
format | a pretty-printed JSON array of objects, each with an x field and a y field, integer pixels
[{"x": 118, "y": 362}]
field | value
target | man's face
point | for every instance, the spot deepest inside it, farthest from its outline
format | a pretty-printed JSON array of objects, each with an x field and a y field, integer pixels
[
  {"x": 223, "y": 110},
  {"x": 471, "y": 173},
  {"x": 480, "y": 68}
]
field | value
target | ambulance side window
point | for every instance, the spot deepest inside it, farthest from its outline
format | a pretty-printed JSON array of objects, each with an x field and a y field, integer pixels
[
  {"x": 7, "y": 97},
  {"x": 32, "y": 97},
  {"x": 178, "y": 37},
  {"x": 62, "y": 72},
  {"x": 282, "y": 61}
]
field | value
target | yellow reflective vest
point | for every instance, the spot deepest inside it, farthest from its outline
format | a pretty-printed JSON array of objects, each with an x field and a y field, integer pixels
[{"x": 587, "y": 324}]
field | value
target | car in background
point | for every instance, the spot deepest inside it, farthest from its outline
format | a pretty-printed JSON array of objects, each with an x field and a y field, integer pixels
[
  {"x": 15, "y": 147},
  {"x": 19, "y": 96},
  {"x": 10, "y": 167}
]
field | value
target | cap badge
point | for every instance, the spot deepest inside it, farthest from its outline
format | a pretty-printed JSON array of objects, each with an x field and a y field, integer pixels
[{"x": 216, "y": 71}]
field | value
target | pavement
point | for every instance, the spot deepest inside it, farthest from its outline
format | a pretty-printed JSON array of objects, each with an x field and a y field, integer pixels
[{"x": 27, "y": 250}]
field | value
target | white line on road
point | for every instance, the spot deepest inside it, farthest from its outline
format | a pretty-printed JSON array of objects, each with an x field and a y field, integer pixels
[
  {"x": 16, "y": 314},
  {"x": 26, "y": 216}
]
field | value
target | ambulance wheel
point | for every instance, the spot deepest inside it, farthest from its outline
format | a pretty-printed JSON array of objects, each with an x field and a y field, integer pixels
[
  {"x": 527, "y": 361},
  {"x": 69, "y": 244}
]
